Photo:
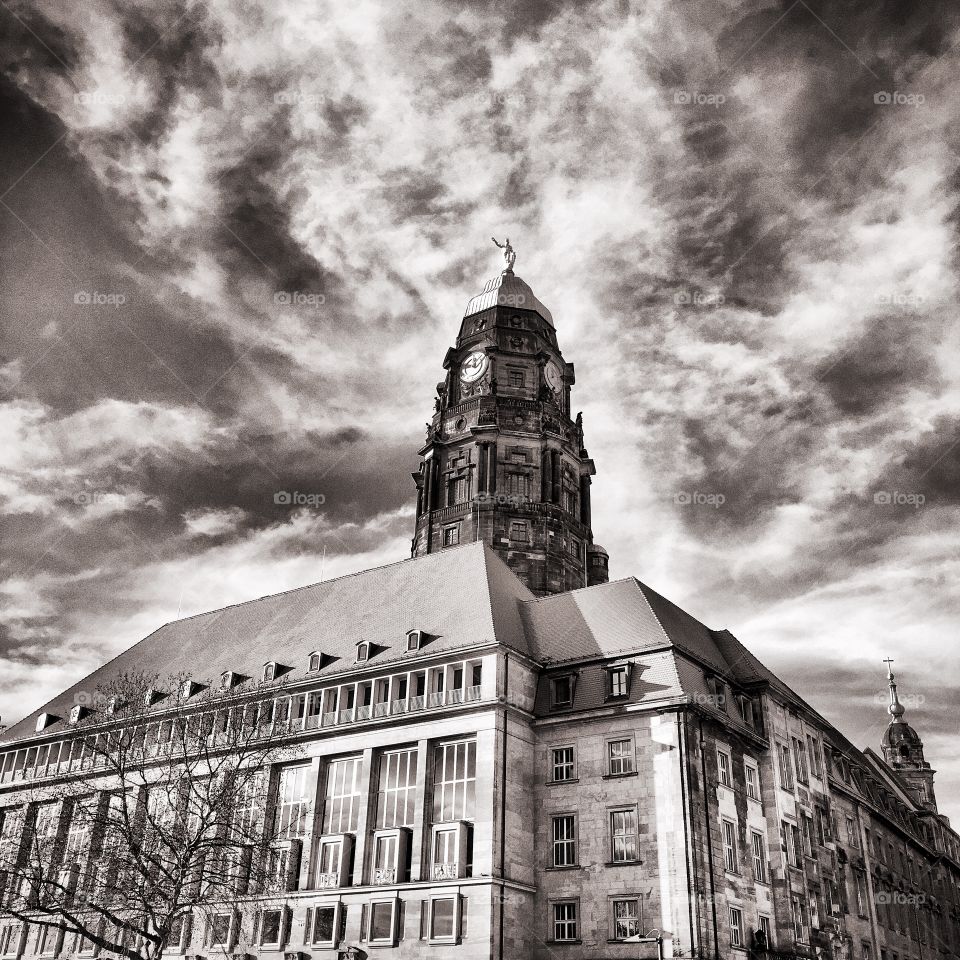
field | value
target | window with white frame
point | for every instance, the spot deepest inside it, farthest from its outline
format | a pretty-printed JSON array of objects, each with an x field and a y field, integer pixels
[
  {"x": 397, "y": 792},
  {"x": 626, "y": 918},
  {"x": 341, "y": 809},
  {"x": 813, "y": 751},
  {"x": 50, "y": 941},
  {"x": 620, "y": 756},
  {"x": 723, "y": 767},
  {"x": 325, "y": 924},
  {"x": 759, "y": 856},
  {"x": 564, "y": 832},
  {"x": 272, "y": 928},
  {"x": 12, "y": 937},
  {"x": 220, "y": 931},
  {"x": 730, "y": 860},
  {"x": 736, "y": 927},
  {"x": 801, "y": 922},
  {"x": 624, "y": 835},
  {"x": 293, "y": 802},
  {"x": 618, "y": 681},
  {"x": 382, "y": 923},
  {"x": 562, "y": 764},
  {"x": 330, "y": 862},
  {"x": 564, "y": 925},
  {"x": 751, "y": 776},
  {"x": 363, "y": 652},
  {"x": 444, "y": 919},
  {"x": 179, "y": 938},
  {"x": 786, "y": 766},
  {"x": 455, "y": 781},
  {"x": 451, "y": 535}
]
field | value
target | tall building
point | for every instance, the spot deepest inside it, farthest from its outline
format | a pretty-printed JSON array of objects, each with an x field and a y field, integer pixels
[
  {"x": 505, "y": 757},
  {"x": 504, "y": 459}
]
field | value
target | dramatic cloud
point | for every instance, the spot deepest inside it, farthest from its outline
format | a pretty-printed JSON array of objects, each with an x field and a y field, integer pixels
[{"x": 237, "y": 238}]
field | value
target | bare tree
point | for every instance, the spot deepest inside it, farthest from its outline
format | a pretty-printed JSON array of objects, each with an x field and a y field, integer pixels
[{"x": 163, "y": 815}]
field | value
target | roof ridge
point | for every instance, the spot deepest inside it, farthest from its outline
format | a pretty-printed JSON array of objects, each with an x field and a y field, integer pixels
[{"x": 591, "y": 586}]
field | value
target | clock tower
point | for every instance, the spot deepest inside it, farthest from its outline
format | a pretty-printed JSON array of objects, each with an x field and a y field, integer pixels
[{"x": 503, "y": 460}]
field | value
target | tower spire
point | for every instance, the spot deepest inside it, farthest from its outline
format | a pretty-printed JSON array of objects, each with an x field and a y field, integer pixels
[
  {"x": 903, "y": 748},
  {"x": 896, "y": 708}
]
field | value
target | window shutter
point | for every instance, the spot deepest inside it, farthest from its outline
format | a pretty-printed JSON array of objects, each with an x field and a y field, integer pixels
[
  {"x": 401, "y": 917},
  {"x": 363, "y": 921},
  {"x": 463, "y": 918},
  {"x": 424, "y": 919},
  {"x": 307, "y": 925}
]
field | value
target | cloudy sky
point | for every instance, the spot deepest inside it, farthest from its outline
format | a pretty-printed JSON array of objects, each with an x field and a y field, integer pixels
[{"x": 236, "y": 239}]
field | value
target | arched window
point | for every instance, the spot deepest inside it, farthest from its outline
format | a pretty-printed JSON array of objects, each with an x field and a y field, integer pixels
[
  {"x": 363, "y": 652},
  {"x": 315, "y": 660},
  {"x": 269, "y": 671}
]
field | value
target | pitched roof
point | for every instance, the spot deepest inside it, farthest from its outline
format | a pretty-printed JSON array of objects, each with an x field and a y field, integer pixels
[{"x": 460, "y": 596}]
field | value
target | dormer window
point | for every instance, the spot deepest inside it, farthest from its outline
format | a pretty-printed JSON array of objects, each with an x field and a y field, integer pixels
[
  {"x": 414, "y": 640},
  {"x": 316, "y": 661},
  {"x": 561, "y": 690},
  {"x": 618, "y": 681},
  {"x": 152, "y": 696},
  {"x": 188, "y": 688},
  {"x": 229, "y": 679},
  {"x": 78, "y": 712},
  {"x": 363, "y": 652},
  {"x": 269, "y": 671},
  {"x": 114, "y": 704},
  {"x": 45, "y": 720}
]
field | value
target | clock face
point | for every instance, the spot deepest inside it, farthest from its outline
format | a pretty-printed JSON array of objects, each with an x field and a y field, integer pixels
[
  {"x": 474, "y": 367},
  {"x": 554, "y": 378}
]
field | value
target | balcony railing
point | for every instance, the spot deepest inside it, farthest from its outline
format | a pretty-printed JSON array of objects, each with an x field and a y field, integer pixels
[
  {"x": 327, "y": 880},
  {"x": 385, "y": 876},
  {"x": 446, "y": 871}
]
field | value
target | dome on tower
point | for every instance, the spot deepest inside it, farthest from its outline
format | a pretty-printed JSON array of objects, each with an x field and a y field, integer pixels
[
  {"x": 900, "y": 732},
  {"x": 507, "y": 290}
]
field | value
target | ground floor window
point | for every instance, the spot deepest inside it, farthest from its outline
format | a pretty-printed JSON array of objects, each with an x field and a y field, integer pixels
[
  {"x": 565, "y": 920},
  {"x": 626, "y": 918}
]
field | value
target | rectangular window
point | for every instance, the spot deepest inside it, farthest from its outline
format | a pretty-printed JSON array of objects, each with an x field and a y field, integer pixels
[
  {"x": 752, "y": 777},
  {"x": 454, "y": 781},
  {"x": 561, "y": 691},
  {"x": 271, "y": 928},
  {"x": 723, "y": 768},
  {"x": 626, "y": 919},
  {"x": 861, "y": 882},
  {"x": 766, "y": 931},
  {"x": 759, "y": 856},
  {"x": 398, "y": 789},
  {"x": 519, "y": 531},
  {"x": 618, "y": 679},
  {"x": 341, "y": 811},
  {"x": 619, "y": 757},
  {"x": 786, "y": 767},
  {"x": 221, "y": 926},
  {"x": 813, "y": 751},
  {"x": 451, "y": 535},
  {"x": 797, "y": 845},
  {"x": 382, "y": 914},
  {"x": 517, "y": 379},
  {"x": 564, "y": 840},
  {"x": 443, "y": 918},
  {"x": 624, "y": 835},
  {"x": 852, "y": 837},
  {"x": 800, "y": 758},
  {"x": 562, "y": 764},
  {"x": 293, "y": 802},
  {"x": 801, "y": 925},
  {"x": 806, "y": 829},
  {"x": 565, "y": 920},
  {"x": 736, "y": 927},
  {"x": 323, "y": 930},
  {"x": 456, "y": 491},
  {"x": 729, "y": 846},
  {"x": 518, "y": 485}
]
